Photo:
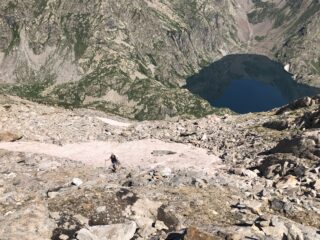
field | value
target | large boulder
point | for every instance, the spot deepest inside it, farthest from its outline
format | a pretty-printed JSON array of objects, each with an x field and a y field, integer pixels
[
  {"x": 280, "y": 165},
  {"x": 309, "y": 120},
  {"x": 304, "y": 146},
  {"x": 299, "y": 103},
  {"x": 292, "y": 156},
  {"x": 123, "y": 231},
  {"x": 29, "y": 223},
  {"x": 279, "y": 125}
]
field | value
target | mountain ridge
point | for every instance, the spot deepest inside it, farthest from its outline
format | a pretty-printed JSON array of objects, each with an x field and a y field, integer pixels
[{"x": 132, "y": 59}]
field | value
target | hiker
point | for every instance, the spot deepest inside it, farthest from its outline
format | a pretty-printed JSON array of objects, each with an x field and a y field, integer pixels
[{"x": 115, "y": 162}]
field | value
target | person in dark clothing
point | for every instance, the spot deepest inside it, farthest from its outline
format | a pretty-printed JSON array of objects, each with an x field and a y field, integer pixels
[{"x": 115, "y": 162}]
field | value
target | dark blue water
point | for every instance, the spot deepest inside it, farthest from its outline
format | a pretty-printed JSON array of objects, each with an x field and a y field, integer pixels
[
  {"x": 247, "y": 83},
  {"x": 249, "y": 95}
]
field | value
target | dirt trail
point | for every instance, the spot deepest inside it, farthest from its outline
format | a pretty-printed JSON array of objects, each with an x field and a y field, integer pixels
[{"x": 131, "y": 154}]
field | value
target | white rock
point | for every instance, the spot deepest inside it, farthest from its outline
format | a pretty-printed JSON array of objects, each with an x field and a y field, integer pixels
[
  {"x": 165, "y": 172},
  {"x": 159, "y": 225},
  {"x": 77, "y": 181},
  {"x": 144, "y": 211},
  {"x": 85, "y": 234},
  {"x": 146, "y": 230},
  {"x": 101, "y": 209},
  {"x": 146, "y": 208},
  {"x": 204, "y": 137},
  {"x": 123, "y": 231},
  {"x": 254, "y": 206},
  {"x": 294, "y": 232},
  {"x": 54, "y": 215},
  {"x": 52, "y": 194},
  {"x": 45, "y": 166},
  {"x": 10, "y": 175},
  {"x": 63, "y": 237},
  {"x": 287, "y": 67},
  {"x": 317, "y": 185},
  {"x": 249, "y": 173},
  {"x": 287, "y": 182},
  {"x": 81, "y": 219}
]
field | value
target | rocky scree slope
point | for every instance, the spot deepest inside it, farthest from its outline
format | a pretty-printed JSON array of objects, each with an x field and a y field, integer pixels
[
  {"x": 132, "y": 58},
  {"x": 267, "y": 186}
]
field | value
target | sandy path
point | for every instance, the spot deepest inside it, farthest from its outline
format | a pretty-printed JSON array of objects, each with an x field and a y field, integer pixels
[{"x": 131, "y": 154}]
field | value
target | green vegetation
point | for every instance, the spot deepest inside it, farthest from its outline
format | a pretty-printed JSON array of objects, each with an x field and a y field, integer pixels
[
  {"x": 10, "y": 7},
  {"x": 157, "y": 103},
  {"x": 110, "y": 107},
  {"x": 15, "y": 38},
  {"x": 263, "y": 11},
  {"x": 158, "y": 46},
  {"x": 312, "y": 9},
  {"x": 76, "y": 28},
  {"x": 259, "y": 38},
  {"x": 30, "y": 91},
  {"x": 143, "y": 69},
  {"x": 81, "y": 36},
  {"x": 173, "y": 25},
  {"x": 260, "y": 3},
  {"x": 294, "y": 5},
  {"x": 39, "y": 7},
  {"x": 316, "y": 66},
  {"x": 280, "y": 18},
  {"x": 188, "y": 9},
  {"x": 152, "y": 59}
]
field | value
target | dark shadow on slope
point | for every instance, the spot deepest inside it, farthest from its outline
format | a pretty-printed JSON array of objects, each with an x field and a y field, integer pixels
[{"x": 247, "y": 83}]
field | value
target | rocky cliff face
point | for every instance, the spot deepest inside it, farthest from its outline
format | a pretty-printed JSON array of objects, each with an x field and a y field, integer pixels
[
  {"x": 301, "y": 48},
  {"x": 288, "y": 31},
  {"x": 132, "y": 58}
]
